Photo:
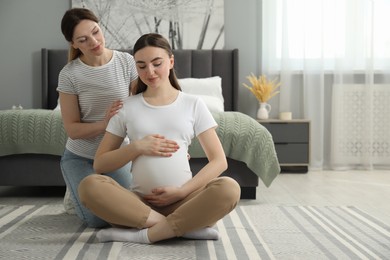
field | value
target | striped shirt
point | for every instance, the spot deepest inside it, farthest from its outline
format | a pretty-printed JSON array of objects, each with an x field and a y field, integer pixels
[{"x": 96, "y": 88}]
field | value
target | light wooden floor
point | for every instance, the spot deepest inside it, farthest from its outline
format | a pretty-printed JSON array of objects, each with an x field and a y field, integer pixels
[{"x": 366, "y": 190}]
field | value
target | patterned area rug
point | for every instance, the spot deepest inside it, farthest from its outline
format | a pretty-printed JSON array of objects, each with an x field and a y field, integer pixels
[{"x": 249, "y": 232}]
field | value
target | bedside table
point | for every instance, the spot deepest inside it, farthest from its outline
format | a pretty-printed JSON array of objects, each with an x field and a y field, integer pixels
[{"x": 292, "y": 143}]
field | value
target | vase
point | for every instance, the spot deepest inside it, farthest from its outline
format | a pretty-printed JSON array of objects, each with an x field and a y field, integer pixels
[{"x": 264, "y": 109}]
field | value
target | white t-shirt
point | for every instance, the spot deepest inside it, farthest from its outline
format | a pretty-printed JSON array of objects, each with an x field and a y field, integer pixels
[
  {"x": 180, "y": 121},
  {"x": 96, "y": 88}
]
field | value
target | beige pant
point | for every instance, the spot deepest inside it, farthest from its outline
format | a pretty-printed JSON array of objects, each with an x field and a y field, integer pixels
[{"x": 121, "y": 207}]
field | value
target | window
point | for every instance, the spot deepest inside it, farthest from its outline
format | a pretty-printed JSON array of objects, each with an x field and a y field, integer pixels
[{"x": 330, "y": 30}]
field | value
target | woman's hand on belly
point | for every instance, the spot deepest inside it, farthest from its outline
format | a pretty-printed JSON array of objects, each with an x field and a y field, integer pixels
[
  {"x": 163, "y": 196},
  {"x": 150, "y": 172},
  {"x": 157, "y": 145}
]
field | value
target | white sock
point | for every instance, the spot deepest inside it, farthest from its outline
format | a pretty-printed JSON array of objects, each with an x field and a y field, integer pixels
[
  {"x": 207, "y": 233},
  {"x": 123, "y": 235}
]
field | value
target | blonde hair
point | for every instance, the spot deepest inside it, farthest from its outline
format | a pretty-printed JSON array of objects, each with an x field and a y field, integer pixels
[{"x": 73, "y": 53}]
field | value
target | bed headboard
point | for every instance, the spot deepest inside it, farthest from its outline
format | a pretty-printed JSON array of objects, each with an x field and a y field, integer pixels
[{"x": 188, "y": 63}]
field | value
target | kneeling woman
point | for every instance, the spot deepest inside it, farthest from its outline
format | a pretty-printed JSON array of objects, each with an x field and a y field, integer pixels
[{"x": 164, "y": 201}]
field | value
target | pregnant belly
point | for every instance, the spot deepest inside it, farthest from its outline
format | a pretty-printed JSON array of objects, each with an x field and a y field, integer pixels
[{"x": 152, "y": 171}]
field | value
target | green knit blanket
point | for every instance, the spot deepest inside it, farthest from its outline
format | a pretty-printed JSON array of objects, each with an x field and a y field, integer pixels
[
  {"x": 41, "y": 131},
  {"x": 244, "y": 139},
  {"x": 37, "y": 131}
]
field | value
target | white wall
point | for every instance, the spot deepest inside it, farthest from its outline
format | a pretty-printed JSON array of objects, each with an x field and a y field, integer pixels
[
  {"x": 25, "y": 28},
  {"x": 242, "y": 22},
  {"x": 28, "y": 26}
]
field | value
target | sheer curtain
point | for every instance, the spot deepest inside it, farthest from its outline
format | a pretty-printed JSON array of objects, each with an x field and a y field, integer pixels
[{"x": 333, "y": 60}]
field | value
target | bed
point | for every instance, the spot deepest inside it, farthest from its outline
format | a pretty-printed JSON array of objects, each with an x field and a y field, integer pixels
[{"x": 32, "y": 140}]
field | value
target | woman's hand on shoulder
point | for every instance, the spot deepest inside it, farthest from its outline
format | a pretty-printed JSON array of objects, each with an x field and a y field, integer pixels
[
  {"x": 157, "y": 145},
  {"x": 164, "y": 196},
  {"x": 113, "y": 110}
]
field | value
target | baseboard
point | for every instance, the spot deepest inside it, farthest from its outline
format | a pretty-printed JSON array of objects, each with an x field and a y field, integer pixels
[{"x": 294, "y": 169}]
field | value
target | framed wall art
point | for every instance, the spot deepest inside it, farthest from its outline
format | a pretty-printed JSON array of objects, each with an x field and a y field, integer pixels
[{"x": 188, "y": 24}]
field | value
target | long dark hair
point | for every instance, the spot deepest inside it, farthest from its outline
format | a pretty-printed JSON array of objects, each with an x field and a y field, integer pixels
[
  {"x": 154, "y": 40},
  {"x": 69, "y": 21}
]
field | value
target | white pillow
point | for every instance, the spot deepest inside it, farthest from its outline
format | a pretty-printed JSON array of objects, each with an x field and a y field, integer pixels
[
  {"x": 214, "y": 104},
  {"x": 209, "y": 89}
]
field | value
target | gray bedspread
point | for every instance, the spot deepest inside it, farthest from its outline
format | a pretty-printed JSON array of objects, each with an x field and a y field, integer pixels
[{"x": 41, "y": 131}]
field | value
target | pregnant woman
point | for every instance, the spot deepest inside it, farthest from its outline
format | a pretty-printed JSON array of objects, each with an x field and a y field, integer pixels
[{"x": 165, "y": 201}]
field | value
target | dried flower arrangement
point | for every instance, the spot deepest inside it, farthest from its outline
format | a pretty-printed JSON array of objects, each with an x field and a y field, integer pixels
[{"x": 262, "y": 88}]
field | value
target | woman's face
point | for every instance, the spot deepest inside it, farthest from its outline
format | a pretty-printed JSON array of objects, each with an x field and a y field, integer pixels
[
  {"x": 88, "y": 38},
  {"x": 153, "y": 66}
]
